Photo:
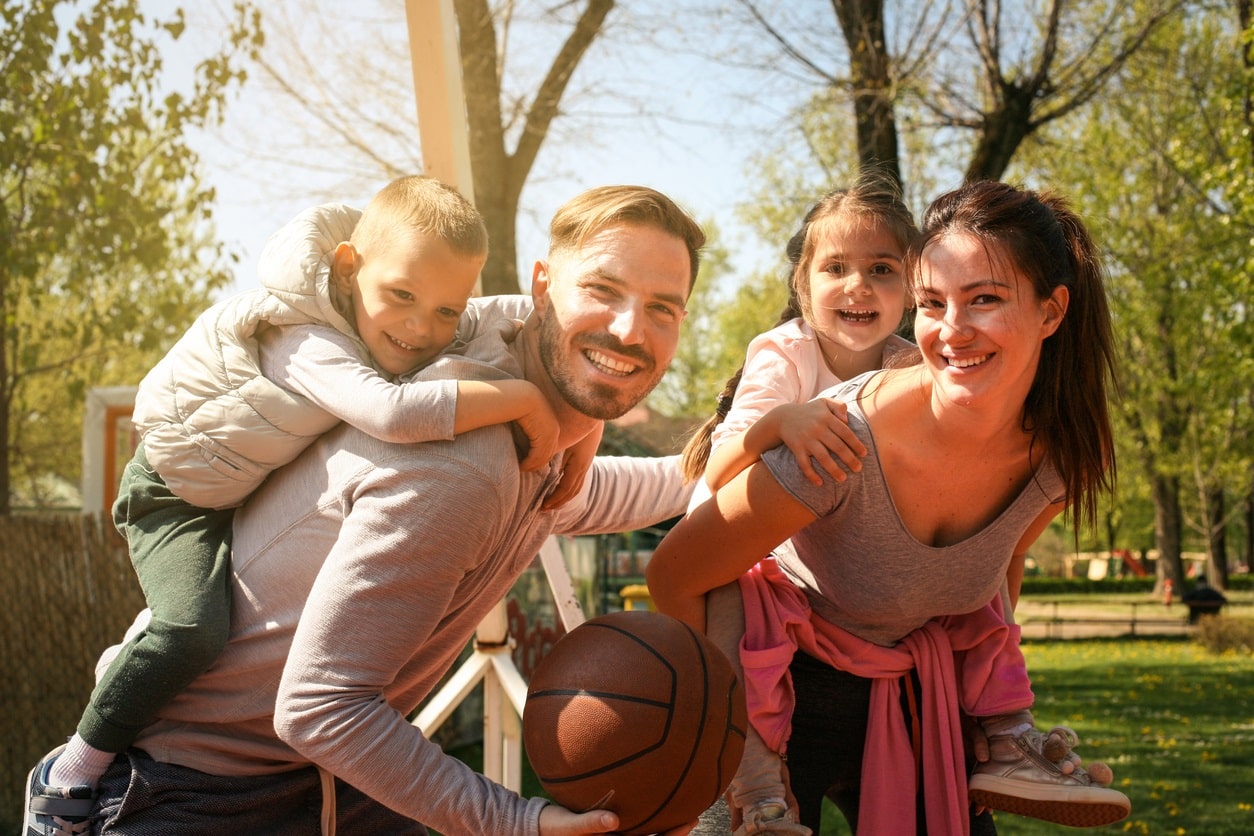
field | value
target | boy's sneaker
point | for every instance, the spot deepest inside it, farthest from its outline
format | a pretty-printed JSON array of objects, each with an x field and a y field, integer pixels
[
  {"x": 770, "y": 818},
  {"x": 1018, "y": 778},
  {"x": 56, "y": 811}
]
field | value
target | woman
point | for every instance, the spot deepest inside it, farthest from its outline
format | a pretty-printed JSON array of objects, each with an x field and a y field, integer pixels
[{"x": 885, "y": 579}]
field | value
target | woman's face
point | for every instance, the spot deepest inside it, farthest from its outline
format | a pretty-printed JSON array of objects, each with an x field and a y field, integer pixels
[{"x": 980, "y": 325}]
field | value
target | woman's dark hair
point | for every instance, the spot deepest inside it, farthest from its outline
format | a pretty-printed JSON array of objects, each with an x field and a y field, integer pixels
[
  {"x": 873, "y": 199},
  {"x": 1044, "y": 240}
]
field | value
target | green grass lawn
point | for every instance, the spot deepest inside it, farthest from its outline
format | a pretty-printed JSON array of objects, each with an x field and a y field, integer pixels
[{"x": 1174, "y": 721}]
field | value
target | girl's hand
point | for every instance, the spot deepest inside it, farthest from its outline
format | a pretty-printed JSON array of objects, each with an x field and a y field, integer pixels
[{"x": 818, "y": 431}]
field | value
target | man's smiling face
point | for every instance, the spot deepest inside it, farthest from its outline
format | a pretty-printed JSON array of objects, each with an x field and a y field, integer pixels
[{"x": 609, "y": 316}]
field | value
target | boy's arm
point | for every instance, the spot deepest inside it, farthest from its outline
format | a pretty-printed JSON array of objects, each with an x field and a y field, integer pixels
[
  {"x": 481, "y": 403},
  {"x": 325, "y": 366}
]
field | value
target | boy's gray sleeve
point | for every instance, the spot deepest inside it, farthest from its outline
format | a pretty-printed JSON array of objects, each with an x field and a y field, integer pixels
[{"x": 492, "y": 312}]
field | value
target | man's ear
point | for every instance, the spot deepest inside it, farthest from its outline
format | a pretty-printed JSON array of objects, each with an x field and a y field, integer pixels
[
  {"x": 344, "y": 266},
  {"x": 540, "y": 283},
  {"x": 1055, "y": 309}
]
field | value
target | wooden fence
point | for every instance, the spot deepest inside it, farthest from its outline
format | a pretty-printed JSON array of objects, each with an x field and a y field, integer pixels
[{"x": 68, "y": 592}]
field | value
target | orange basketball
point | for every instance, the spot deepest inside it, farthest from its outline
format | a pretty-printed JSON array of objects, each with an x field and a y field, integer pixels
[{"x": 637, "y": 713}]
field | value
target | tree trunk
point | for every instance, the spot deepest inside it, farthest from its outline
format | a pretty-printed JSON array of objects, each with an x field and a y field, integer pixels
[
  {"x": 6, "y": 398},
  {"x": 499, "y": 175},
  {"x": 1249, "y": 531},
  {"x": 1003, "y": 133},
  {"x": 489, "y": 161},
  {"x": 1247, "y": 58},
  {"x": 862, "y": 23},
  {"x": 1217, "y": 570},
  {"x": 1167, "y": 527}
]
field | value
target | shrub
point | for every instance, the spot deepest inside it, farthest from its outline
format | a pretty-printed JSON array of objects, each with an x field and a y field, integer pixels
[
  {"x": 1221, "y": 633},
  {"x": 1044, "y": 585}
]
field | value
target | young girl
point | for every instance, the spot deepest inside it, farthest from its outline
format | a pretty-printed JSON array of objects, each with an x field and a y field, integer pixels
[
  {"x": 846, "y": 302},
  {"x": 864, "y": 591}
]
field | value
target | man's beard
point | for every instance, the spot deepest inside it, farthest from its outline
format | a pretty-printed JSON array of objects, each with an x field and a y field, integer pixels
[{"x": 596, "y": 400}]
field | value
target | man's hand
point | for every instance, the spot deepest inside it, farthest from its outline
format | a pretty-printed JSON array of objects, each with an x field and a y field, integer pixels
[{"x": 558, "y": 821}]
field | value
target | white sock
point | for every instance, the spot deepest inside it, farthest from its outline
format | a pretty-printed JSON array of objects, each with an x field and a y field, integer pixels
[{"x": 79, "y": 765}]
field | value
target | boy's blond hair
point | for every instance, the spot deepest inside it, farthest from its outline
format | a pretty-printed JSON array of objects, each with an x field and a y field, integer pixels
[
  {"x": 591, "y": 212},
  {"x": 421, "y": 204}
]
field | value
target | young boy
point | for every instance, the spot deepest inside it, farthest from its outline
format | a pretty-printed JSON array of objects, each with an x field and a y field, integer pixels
[{"x": 351, "y": 302}]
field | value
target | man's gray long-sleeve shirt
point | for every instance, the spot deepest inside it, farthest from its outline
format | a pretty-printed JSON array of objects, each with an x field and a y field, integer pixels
[{"x": 360, "y": 572}]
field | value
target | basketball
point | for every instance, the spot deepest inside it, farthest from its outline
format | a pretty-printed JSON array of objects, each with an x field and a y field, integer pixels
[{"x": 637, "y": 713}]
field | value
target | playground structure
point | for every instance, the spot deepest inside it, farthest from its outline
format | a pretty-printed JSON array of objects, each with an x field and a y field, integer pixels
[{"x": 1122, "y": 563}]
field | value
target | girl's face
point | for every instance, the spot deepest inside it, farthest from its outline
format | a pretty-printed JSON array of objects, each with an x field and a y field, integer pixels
[
  {"x": 857, "y": 295},
  {"x": 980, "y": 325}
]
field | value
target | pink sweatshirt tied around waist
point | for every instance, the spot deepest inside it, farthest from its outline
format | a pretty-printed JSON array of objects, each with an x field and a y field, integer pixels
[{"x": 978, "y": 645}]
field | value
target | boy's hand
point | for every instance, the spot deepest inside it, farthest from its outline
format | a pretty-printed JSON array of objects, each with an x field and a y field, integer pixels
[
  {"x": 574, "y": 468},
  {"x": 818, "y": 430},
  {"x": 539, "y": 425}
]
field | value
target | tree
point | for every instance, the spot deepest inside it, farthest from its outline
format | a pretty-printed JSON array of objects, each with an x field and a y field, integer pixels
[
  {"x": 952, "y": 71},
  {"x": 104, "y": 242},
  {"x": 518, "y": 66},
  {"x": 498, "y": 172},
  {"x": 1171, "y": 201}
]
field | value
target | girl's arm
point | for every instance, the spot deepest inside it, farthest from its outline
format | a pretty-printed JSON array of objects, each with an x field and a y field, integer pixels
[
  {"x": 773, "y": 406},
  {"x": 1014, "y": 574},
  {"x": 720, "y": 540},
  {"x": 815, "y": 431}
]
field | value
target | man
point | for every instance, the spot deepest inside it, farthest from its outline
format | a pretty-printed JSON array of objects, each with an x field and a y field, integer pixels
[{"x": 362, "y": 569}]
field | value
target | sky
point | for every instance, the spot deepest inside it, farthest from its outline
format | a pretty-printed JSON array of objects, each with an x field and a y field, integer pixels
[{"x": 692, "y": 154}]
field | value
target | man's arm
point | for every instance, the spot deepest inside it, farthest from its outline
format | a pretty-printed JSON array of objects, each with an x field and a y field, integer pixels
[
  {"x": 622, "y": 493},
  {"x": 396, "y": 600}
]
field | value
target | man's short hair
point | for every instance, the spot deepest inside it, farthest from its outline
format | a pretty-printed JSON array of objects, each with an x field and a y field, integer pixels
[
  {"x": 422, "y": 204},
  {"x": 589, "y": 213}
]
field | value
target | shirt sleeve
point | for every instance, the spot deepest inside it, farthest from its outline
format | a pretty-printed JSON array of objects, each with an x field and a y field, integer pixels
[
  {"x": 622, "y": 493},
  {"x": 329, "y": 369},
  {"x": 770, "y": 378},
  {"x": 385, "y": 590}
]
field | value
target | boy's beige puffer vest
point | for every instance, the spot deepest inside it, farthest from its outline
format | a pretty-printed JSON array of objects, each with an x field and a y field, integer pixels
[{"x": 213, "y": 426}]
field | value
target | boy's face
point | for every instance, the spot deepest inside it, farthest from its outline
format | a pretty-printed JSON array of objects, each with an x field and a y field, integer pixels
[{"x": 407, "y": 297}]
